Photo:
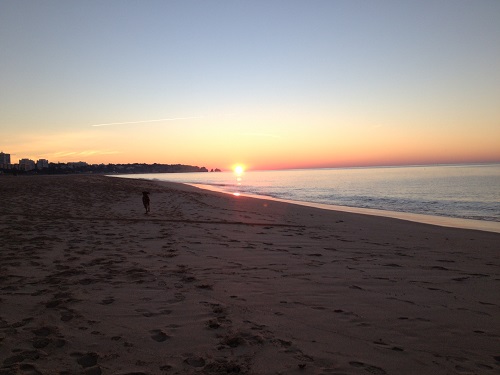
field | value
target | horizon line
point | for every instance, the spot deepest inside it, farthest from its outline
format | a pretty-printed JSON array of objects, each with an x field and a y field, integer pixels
[{"x": 470, "y": 163}]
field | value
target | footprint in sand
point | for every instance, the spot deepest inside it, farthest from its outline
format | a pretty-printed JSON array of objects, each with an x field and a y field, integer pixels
[
  {"x": 44, "y": 331},
  {"x": 67, "y": 315},
  {"x": 41, "y": 343},
  {"x": 371, "y": 369},
  {"x": 195, "y": 361},
  {"x": 32, "y": 355},
  {"x": 88, "y": 360},
  {"x": 213, "y": 324},
  {"x": 205, "y": 286},
  {"x": 43, "y": 338},
  {"x": 107, "y": 301},
  {"x": 158, "y": 335},
  {"x": 29, "y": 370},
  {"x": 149, "y": 314}
]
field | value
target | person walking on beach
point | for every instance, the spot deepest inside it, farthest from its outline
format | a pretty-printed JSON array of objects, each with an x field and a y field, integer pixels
[{"x": 145, "y": 200}]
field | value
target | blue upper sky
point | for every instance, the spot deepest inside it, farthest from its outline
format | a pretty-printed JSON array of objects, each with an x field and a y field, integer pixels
[{"x": 282, "y": 69}]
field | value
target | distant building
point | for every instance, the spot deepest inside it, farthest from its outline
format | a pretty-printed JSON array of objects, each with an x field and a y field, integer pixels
[
  {"x": 42, "y": 163},
  {"x": 26, "y": 165},
  {"x": 76, "y": 164},
  {"x": 5, "y": 161}
]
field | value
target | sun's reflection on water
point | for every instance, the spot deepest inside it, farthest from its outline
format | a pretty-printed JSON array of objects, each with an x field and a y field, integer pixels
[{"x": 238, "y": 171}]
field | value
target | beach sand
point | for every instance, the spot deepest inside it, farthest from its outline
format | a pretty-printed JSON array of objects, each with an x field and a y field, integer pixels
[{"x": 209, "y": 283}]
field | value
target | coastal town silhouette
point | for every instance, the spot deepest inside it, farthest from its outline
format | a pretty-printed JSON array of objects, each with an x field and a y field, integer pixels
[{"x": 43, "y": 166}]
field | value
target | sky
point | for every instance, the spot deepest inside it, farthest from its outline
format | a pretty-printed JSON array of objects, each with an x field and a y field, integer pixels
[{"x": 267, "y": 84}]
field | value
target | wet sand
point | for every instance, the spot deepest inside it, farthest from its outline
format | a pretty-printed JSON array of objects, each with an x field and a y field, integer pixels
[{"x": 209, "y": 283}]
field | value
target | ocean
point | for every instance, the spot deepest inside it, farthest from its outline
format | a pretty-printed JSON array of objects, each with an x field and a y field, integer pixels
[{"x": 463, "y": 192}]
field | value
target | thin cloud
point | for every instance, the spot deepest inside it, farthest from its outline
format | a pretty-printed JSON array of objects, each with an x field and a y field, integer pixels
[
  {"x": 81, "y": 153},
  {"x": 61, "y": 153},
  {"x": 148, "y": 121}
]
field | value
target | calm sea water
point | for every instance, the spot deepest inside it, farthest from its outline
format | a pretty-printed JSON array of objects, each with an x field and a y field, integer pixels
[{"x": 457, "y": 191}]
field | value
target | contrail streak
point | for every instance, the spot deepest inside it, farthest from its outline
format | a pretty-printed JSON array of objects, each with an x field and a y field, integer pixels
[{"x": 146, "y": 121}]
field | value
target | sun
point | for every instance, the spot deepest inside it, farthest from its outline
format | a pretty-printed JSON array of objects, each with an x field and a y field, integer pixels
[{"x": 239, "y": 169}]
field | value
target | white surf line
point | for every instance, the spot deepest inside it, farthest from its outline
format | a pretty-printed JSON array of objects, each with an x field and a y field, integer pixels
[{"x": 442, "y": 221}]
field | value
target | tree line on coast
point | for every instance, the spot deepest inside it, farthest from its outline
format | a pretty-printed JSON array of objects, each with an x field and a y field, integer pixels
[{"x": 82, "y": 167}]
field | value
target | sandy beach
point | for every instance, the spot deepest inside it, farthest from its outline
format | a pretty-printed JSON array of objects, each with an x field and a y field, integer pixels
[{"x": 209, "y": 283}]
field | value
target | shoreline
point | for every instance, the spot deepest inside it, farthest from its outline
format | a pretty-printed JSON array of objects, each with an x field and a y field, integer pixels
[
  {"x": 442, "y": 221},
  {"x": 213, "y": 284}
]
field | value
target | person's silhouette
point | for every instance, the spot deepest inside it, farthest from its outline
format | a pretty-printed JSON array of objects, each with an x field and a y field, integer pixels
[{"x": 145, "y": 200}]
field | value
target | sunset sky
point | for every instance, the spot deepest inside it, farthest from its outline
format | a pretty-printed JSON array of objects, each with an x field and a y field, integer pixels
[{"x": 270, "y": 84}]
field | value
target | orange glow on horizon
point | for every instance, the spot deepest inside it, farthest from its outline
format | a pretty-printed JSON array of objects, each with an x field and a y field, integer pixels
[{"x": 341, "y": 147}]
